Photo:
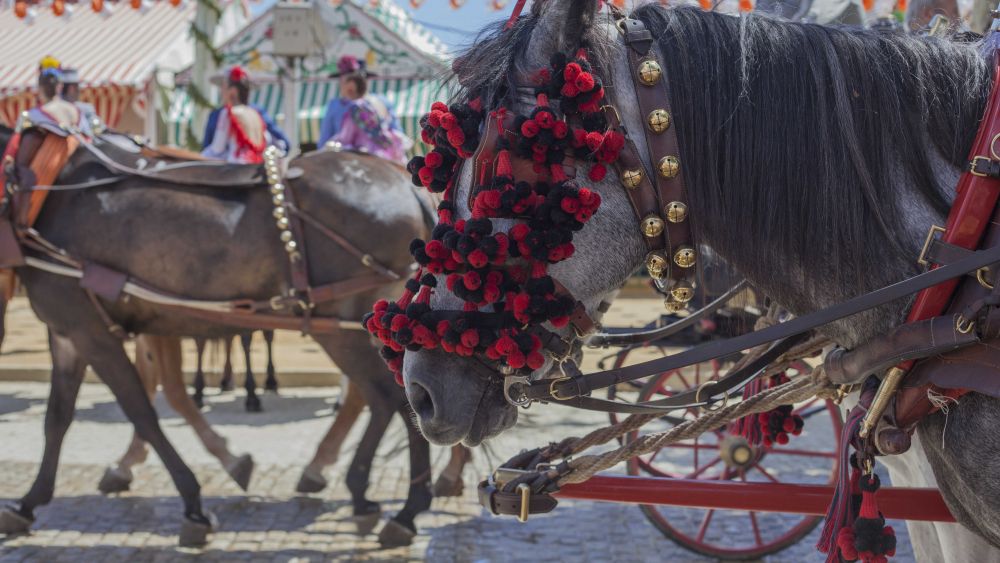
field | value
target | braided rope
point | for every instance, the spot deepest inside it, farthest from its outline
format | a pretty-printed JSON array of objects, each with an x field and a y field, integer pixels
[{"x": 585, "y": 467}]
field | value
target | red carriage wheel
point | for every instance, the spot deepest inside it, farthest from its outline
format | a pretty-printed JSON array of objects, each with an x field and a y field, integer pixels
[{"x": 719, "y": 455}]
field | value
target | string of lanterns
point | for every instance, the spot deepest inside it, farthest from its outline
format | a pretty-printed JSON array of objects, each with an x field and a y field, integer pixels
[{"x": 26, "y": 10}]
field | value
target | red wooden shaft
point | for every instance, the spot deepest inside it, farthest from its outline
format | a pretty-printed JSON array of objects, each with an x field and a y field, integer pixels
[{"x": 894, "y": 502}]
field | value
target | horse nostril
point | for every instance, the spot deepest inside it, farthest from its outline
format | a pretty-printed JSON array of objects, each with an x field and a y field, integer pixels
[{"x": 421, "y": 401}]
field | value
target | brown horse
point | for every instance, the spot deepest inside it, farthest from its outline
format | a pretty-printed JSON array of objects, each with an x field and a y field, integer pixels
[{"x": 216, "y": 244}]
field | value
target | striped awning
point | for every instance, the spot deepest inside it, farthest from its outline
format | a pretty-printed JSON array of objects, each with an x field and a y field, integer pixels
[
  {"x": 411, "y": 98},
  {"x": 110, "y": 102},
  {"x": 119, "y": 49}
]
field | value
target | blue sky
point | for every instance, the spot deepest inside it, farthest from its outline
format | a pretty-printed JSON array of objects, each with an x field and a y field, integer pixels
[{"x": 456, "y": 27}]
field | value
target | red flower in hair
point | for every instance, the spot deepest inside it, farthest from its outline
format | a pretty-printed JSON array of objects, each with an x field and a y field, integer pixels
[{"x": 237, "y": 75}]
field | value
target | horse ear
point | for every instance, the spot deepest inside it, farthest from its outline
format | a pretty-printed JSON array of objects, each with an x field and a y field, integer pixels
[{"x": 561, "y": 27}]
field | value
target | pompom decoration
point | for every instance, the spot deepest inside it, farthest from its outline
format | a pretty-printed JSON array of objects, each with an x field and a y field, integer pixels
[{"x": 501, "y": 276}]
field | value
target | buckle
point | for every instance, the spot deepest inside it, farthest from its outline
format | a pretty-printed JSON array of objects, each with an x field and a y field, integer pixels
[
  {"x": 922, "y": 260},
  {"x": 974, "y": 165}
]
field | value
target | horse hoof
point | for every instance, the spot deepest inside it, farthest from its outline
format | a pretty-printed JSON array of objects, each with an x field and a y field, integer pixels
[
  {"x": 115, "y": 480},
  {"x": 447, "y": 487},
  {"x": 395, "y": 534},
  {"x": 253, "y": 405},
  {"x": 195, "y": 531},
  {"x": 199, "y": 401},
  {"x": 310, "y": 482},
  {"x": 241, "y": 470},
  {"x": 13, "y": 522},
  {"x": 365, "y": 523}
]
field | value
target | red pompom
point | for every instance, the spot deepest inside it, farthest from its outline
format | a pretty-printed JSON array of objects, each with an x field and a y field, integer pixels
[
  {"x": 470, "y": 338},
  {"x": 594, "y": 140},
  {"x": 585, "y": 82},
  {"x": 435, "y": 249},
  {"x": 448, "y": 121},
  {"x": 439, "y": 106},
  {"x": 560, "y": 130},
  {"x": 472, "y": 281},
  {"x": 519, "y": 231},
  {"x": 529, "y": 128},
  {"x": 545, "y": 119},
  {"x": 426, "y": 176},
  {"x": 515, "y": 359},
  {"x": 535, "y": 360},
  {"x": 456, "y": 137},
  {"x": 569, "y": 90},
  {"x": 478, "y": 259},
  {"x": 570, "y": 204},
  {"x": 597, "y": 172},
  {"x": 433, "y": 159},
  {"x": 571, "y": 71}
]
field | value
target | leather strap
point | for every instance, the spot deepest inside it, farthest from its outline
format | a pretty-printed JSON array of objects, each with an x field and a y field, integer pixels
[
  {"x": 653, "y": 99},
  {"x": 499, "y": 502},
  {"x": 584, "y": 384}
]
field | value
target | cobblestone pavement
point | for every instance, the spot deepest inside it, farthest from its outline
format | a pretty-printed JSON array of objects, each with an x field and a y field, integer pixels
[{"x": 272, "y": 523}]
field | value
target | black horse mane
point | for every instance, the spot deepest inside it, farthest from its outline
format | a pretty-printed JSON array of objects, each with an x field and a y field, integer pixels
[{"x": 800, "y": 134}]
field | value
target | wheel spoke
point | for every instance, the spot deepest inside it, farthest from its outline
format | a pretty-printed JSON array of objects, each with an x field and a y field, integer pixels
[
  {"x": 703, "y": 468},
  {"x": 765, "y": 473},
  {"x": 756, "y": 529},
  {"x": 704, "y": 524}
]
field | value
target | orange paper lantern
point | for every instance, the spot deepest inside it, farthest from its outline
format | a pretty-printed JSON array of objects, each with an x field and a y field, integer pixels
[
  {"x": 705, "y": 4},
  {"x": 901, "y": 6},
  {"x": 746, "y": 6},
  {"x": 97, "y": 5},
  {"x": 136, "y": 4},
  {"x": 58, "y": 7},
  {"x": 21, "y": 10},
  {"x": 456, "y": 4},
  {"x": 175, "y": 3},
  {"x": 498, "y": 4}
]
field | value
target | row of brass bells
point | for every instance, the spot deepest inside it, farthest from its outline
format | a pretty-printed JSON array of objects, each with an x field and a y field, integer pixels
[{"x": 277, "y": 190}]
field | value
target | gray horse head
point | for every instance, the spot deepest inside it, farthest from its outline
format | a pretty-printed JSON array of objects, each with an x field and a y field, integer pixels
[{"x": 814, "y": 159}]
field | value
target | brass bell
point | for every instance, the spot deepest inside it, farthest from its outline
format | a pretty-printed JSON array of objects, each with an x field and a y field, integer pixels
[
  {"x": 684, "y": 257},
  {"x": 657, "y": 265},
  {"x": 658, "y": 120},
  {"x": 682, "y": 291},
  {"x": 632, "y": 178},
  {"x": 291, "y": 247},
  {"x": 670, "y": 166},
  {"x": 278, "y": 199},
  {"x": 649, "y": 72},
  {"x": 279, "y": 212},
  {"x": 652, "y": 226},
  {"x": 676, "y": 211},
  {"x": 282, "y": 223},
  {"x": 673, "y": 306},
  {"x": 277, "y": 189},
  {"x": 286, "y": 236}
]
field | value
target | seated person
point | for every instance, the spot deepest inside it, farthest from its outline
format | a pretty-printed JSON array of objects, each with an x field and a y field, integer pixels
[
  {"x": 240, "y": 134},
  {"x": 367, "y": 126},
  {"x": 337, "y": 107}
]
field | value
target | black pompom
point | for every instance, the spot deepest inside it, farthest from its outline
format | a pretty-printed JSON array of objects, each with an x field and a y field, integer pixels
[
  {"x": 412, "y": 285},
  {"x": 430, "y": 280}
]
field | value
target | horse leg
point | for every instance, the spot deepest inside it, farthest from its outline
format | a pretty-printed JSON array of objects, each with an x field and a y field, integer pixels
[
  {"x": 166, "y": 353},
  {"x": 226, "y": 384},
  {"x": 355, "y": 356},
  {"x": 449, "y": 483},
  {"x": 252, "y": 403},
  {"x": 199, "y": 374},
  {"x": 271, "y": 384},
  {"x": 312, "y": 480},
  {"x": 118, "y": 478},
  {"x": 107, "y": 355},
  {"x": 401, "y": 529},
  {"x": 67, "y": 375}
]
